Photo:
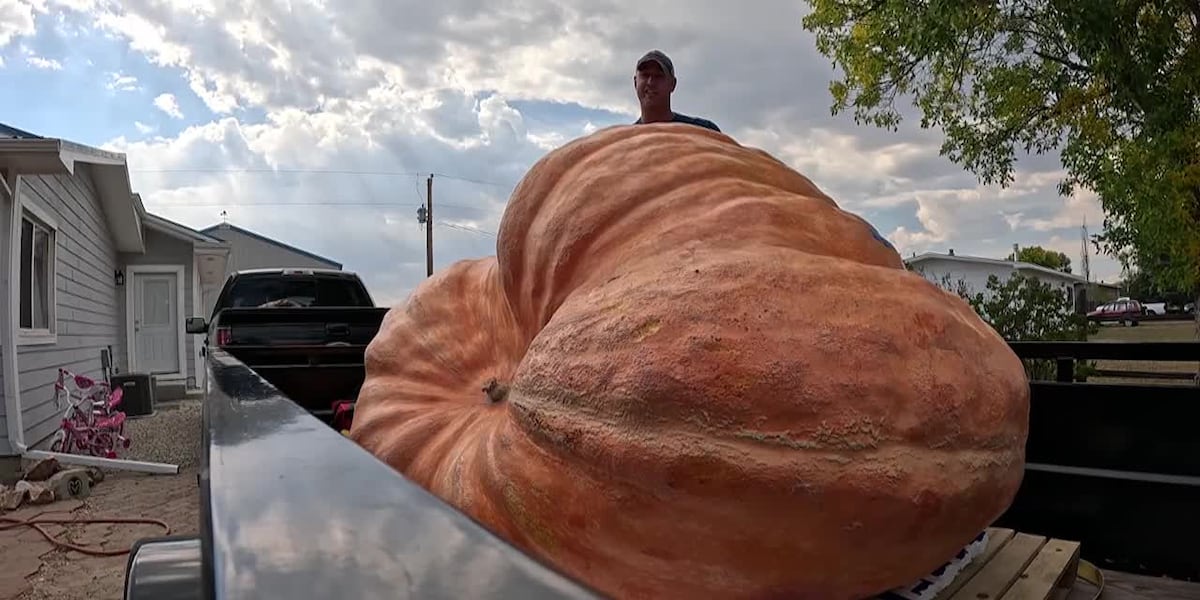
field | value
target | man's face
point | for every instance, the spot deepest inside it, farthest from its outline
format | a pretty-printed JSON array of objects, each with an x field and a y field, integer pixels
[{"x": 652, "y": 84}]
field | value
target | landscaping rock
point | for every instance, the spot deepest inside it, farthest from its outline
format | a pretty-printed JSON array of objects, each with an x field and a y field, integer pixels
[
  {"x": 71, "y": 483},
  {"x": 38, "y": 493},
  {"x": 95, "y": 474},
  {"x": 11, "y": 498},
  {"x": 42, "y": 470}
]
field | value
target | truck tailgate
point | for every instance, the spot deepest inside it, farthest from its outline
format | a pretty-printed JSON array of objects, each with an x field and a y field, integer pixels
[{"x": 302, "y": 326}]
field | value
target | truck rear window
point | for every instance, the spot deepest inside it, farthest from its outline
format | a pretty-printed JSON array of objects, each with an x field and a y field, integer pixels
[{"x": 298, "y": 290}]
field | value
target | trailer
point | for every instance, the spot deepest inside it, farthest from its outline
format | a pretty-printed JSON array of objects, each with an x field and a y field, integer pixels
[{"x": 293, "y": 508}]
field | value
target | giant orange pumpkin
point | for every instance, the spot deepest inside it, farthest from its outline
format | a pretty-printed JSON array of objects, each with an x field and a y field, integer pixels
[{"x": 688, "y": 374}]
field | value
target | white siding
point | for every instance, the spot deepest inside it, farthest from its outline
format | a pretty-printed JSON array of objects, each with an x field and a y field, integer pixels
[
  {"x": 162, "y": 249},
  {"x": 950, "y": 274},
  {"x": 1066, "y": 284},
  {"x": 88, "y": 315}
]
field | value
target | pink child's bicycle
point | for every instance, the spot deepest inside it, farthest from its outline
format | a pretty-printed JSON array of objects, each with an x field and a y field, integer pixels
[{"x": 91, "y": 423}]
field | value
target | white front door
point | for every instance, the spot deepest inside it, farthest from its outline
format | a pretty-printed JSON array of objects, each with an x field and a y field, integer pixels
[{"x": 155, "y": 326}]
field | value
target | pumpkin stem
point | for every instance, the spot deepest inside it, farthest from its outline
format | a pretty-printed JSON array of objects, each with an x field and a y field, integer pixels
[{"x": 496, "y": 391}]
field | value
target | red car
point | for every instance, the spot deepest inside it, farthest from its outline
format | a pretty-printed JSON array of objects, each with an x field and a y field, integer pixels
[{"x": 1122, "y": 310}]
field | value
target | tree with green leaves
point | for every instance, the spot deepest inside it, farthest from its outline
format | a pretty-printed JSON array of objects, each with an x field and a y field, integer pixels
[
  {"x": 1139, "y": 284},
  {"x": 1022, "y": 309},
  {"x": 1025, "y": 308},
  {"x": 1112, "y": 85},
  {"x": 1037, "y": 255}
]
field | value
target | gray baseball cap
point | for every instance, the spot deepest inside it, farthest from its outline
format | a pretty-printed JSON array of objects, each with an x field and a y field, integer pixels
[{"x": 662, "y": 59}]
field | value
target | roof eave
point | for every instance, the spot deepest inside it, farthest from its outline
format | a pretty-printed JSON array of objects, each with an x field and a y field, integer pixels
[
  {"x": 182, "y": 232},
  {"x": 34, "y": 157},
  {"x": 993, "y": 261},
  {"x": 49, "y": 156},
  {"x": 1048, "y": 271},
  {"x": 116, "y": 196}
]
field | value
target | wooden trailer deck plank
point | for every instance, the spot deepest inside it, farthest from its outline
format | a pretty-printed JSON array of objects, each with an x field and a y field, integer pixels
[
  {"x": 1023, "y": 566},
  {"x": 1053, "y": 569},
  {"x": 999, "y": 573}
]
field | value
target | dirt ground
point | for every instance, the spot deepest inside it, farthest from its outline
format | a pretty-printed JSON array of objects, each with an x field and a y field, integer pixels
[
  {"x": 31, "y": 568},
  {"x": 36, "y": 570}
]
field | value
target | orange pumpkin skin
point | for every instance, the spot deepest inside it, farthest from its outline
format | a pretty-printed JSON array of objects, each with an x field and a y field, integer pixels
[{"x": 711, "y": 382}]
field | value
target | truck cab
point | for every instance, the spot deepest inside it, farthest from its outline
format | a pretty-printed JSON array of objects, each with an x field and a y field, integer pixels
[
  {"x": 305, "y": 330},
  {"x": 281, "y": 288}
]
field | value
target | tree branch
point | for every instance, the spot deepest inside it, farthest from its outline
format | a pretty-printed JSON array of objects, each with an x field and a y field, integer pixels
[
  {"x": 862, "y": 11},
  {"x": 1070, "y": 64}
]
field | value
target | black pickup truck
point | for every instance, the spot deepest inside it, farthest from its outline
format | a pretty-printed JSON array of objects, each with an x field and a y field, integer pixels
[
  {"x": 305, "y": 330},
  {"x": 290, "y": 508}
]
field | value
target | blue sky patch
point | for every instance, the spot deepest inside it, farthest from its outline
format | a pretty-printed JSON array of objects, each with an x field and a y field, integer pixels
[{"x": 544, "y": 114}]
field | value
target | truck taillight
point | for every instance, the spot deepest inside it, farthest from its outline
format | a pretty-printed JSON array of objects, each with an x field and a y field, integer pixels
[{"x": 224, "y": 336}]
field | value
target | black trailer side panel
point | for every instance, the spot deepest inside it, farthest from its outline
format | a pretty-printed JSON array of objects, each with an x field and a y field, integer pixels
[{"x": 1116, "y": 467}]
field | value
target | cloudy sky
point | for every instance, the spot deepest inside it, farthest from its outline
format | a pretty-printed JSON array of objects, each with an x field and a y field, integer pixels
[{"x": 316, "y": 122}]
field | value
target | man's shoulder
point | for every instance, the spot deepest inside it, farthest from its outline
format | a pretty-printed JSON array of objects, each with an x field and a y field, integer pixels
[
  {"x": 690, "y": 120},
  {"x": 696, "y": 121}
]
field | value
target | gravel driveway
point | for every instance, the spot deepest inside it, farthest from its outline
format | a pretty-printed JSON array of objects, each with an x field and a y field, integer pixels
[
  {"x": 172, "y": 435},
  {"x": 36, "y": 570}
]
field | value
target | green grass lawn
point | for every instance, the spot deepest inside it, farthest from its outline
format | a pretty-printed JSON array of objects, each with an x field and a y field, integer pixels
[
  {"x": 1161, "y": 331},
  {"x": 1154, "y": 331}
]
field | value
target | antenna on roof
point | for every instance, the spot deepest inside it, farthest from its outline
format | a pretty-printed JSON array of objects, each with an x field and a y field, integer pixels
[{"x": 224, "y": 217}]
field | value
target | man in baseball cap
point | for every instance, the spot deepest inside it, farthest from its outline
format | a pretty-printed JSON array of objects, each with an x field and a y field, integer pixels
[{"x": 654, "y": 81}]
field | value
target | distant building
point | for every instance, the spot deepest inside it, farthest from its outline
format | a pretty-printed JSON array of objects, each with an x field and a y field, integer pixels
[
  {"x": 972, "y": 272},
  {"x": 251, "y": 250}
]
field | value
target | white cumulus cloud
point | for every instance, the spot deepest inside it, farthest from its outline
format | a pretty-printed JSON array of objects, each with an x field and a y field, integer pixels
[
  {"x": 168, "y": 104},
  {"x": 325, "y": 119}
]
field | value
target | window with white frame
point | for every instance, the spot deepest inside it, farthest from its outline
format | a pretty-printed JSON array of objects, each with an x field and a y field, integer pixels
[{"x": 37, "y": 271}]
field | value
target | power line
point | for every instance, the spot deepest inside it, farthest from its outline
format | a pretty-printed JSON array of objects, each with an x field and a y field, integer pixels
[
  {"x": 423, "y": 204},
  {"x": 441, "y": 223},
  {"x": 479, "y": 181},
  {"x": 417, "y": 189},
  {"x": 274, "y": 171},
  {"x": 466, "y": 228},
  {"x": 319, "y": 203},
  {"x": 262, "y": 171}
]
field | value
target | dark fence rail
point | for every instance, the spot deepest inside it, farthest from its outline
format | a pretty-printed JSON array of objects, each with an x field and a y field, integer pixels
[
  {"x": 1163, "y": 351},
  {"x": 1116, "y": 467},
  {"x": 1160, "y": 375},
  {"x": 1065, "y": 354}
]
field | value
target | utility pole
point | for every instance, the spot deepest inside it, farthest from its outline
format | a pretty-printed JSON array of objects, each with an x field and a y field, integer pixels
[{"x": 429, "y": 226}]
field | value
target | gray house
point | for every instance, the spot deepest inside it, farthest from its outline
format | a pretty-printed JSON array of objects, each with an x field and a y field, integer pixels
[
  {"x": 88, "y": 273},
  {"x": 250, "y": 250}
]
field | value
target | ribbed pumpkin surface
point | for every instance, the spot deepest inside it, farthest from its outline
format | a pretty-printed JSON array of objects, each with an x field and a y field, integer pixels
[{"x": 688, "y": 374}]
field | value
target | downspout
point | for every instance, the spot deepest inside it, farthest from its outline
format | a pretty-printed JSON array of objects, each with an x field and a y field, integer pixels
[
  {"x": 8, "y": 338},
  {"x": 10, "y": 303}
]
